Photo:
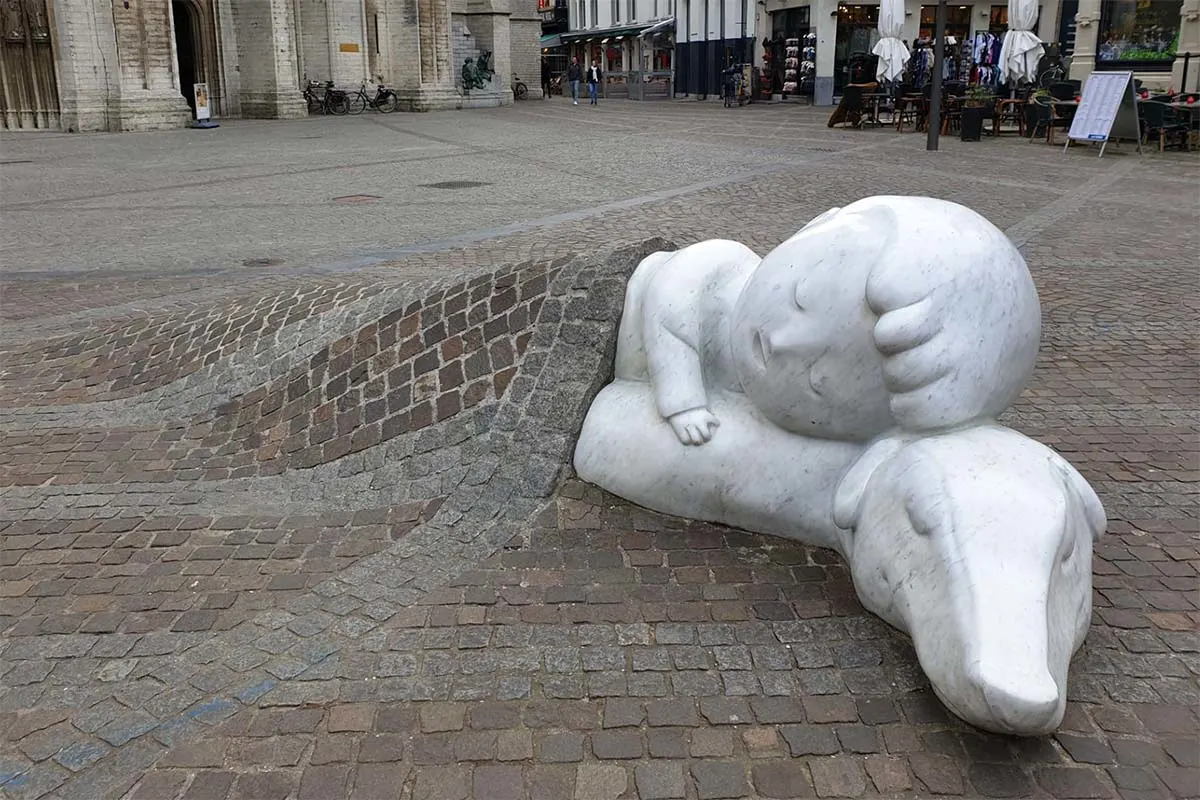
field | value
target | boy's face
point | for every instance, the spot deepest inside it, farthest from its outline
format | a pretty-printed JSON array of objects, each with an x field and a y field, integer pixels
[{"x": 801, "y": 333}]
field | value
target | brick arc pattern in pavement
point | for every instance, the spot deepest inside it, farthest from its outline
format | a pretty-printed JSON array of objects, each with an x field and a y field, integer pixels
[{"x": 315, "y": 538}]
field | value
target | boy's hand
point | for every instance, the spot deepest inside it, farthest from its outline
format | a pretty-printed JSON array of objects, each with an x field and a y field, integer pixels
[{"x": 694, "y": 426}]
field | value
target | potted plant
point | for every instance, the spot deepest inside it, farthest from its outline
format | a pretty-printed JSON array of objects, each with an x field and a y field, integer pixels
[{"x": 975, "y": 109}]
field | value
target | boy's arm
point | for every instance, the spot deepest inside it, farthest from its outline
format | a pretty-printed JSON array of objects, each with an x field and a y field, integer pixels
[{"x": 671, "y": 335}]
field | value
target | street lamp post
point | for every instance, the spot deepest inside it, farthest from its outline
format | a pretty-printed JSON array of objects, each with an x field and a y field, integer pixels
[{"x": 935, "y": 95}]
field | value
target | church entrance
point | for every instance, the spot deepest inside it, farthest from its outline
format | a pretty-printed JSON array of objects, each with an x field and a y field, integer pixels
[
  {"x": 187, "y": 49},
  {"x": 28, "y": 84}
]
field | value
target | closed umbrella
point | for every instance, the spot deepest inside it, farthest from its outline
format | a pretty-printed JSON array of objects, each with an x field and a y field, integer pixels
[
  {"x": 892, "y": 52},
  {"x": 1022, "y": 49}
]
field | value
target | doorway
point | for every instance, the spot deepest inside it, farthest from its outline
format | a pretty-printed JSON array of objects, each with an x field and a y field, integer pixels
[{"x": 187, "y": 41}]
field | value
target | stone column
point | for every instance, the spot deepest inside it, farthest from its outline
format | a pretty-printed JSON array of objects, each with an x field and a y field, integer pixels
[
  {"x": 270, "y": 85},
  {"x": 89, "y": 81},
  {"x": 427, "y": 22},
  {"x": 441, "y": 41},
  {"x": 1189, "y": 42},
  {"x": 1087, "y": 32},
  {"x": 117, "y": 67},
  {"x": 424, "y": 75},
  {"x": 824, "y": 20}
]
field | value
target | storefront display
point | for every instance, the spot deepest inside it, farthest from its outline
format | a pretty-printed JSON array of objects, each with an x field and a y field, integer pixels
[
  {"x": 1138, "y": 34},
  {"x": 984, "y": 49},
  {"x": 857, "y": 33}
]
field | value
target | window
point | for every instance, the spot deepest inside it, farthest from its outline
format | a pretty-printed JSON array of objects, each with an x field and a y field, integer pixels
[
  {"x": 632, "y": 16},
  {"x": 998, "y": 20},
  {"x": 595, "y": 13},
  {"x": 616, "y": 10},
  {"x": 581, "y": 15},
  {"x": 958, "y": 22},
  {"x": 1139, "y": 34}
]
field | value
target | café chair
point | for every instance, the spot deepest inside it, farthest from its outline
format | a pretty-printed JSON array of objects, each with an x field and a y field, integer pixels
[{"x": 1159, "y": 119}]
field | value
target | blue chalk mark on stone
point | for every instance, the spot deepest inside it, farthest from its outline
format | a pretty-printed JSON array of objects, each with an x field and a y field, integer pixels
[
  {"x": 213, "y": 708},
  {"x": 77, "y": 756},
  {"x": 14, "y": 779},
  {"x": 252, "y": 693}
]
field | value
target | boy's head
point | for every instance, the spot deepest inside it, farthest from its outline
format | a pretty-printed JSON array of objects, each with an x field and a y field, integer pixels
[{"x": 905, "y": 312}]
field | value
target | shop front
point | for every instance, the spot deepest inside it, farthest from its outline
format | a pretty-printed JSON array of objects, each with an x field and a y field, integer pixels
[
  {"x": 846, "y": 33},
  {"x": 636, "y": 62},
  {"x": 1147, "y": 37}
]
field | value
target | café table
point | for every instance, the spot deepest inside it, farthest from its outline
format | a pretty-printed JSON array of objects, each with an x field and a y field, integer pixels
[
  {"x": 874, "y": 98},
  {"x": 1191, "y": 109}
]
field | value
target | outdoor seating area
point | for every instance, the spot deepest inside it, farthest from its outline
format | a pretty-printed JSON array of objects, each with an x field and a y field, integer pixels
[
  {"x": 1038, "y": 114},
  {"x": 1005, "y": 82}
]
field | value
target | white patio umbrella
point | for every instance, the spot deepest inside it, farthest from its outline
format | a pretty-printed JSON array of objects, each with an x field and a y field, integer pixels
[
  {"x": 1022, "y": 49},
  {"x": 893, "y": 54}
]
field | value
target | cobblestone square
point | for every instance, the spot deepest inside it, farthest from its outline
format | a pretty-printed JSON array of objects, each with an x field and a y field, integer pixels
[{"x": 285, "y": 506}]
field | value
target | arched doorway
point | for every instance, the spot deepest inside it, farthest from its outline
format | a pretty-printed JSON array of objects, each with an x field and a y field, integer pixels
[{"x": 187, "y": 48}]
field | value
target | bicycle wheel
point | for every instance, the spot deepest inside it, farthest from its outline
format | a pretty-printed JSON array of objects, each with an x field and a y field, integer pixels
[
  {"x": 356, "y": 104},
  {"x": 314, "y": 103},
  {"x": 387, "y": 103},
  {"x": 338, "y": 105},
  {"x": 520, "y": 90}
]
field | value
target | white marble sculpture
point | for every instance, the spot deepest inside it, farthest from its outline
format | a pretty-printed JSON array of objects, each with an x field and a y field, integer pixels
[{"x": 843, "y": 392}]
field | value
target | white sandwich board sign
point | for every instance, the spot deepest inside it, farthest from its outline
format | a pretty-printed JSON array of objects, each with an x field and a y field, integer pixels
[{"x": 1108, "y": 110}]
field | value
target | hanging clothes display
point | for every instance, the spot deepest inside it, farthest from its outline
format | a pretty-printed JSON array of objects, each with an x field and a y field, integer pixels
[
  {"x": 808, "y": 64},
  {"x": 920, "y": 66},
  {"x": 791, "y": 66},
  {"x": 985, "y": 58}
]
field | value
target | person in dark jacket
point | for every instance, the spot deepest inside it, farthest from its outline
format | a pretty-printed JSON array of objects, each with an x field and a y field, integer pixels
[
  {"x": 575, "y": 75},
  {"x": 545, "y": 78},
  {"x": 593, "y": 79}
]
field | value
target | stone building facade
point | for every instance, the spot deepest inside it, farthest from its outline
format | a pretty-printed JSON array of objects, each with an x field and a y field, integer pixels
[{"x": 128, "y": 65}]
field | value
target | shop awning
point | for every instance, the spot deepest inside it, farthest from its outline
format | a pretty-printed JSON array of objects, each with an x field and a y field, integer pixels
[
  {"x": 552, "y": 40},
  {"x": 660, "y": 27},
  {"x": 604, "y": 33}
]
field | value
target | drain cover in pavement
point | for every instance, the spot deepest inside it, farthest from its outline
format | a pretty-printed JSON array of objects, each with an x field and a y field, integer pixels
[
  {"x": 262, "y": 262},
  {"x": 454, "y": 185},
  {"x": 356, "y": 198}
]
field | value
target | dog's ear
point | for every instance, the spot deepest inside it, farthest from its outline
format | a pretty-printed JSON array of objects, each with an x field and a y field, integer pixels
[
  {"x": 1077, "y": 486},
  {"x": 847, "y": 500}
]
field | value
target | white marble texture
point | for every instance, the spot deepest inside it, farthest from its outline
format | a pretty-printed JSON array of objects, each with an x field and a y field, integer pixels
[{"x": 842, "y": 392}]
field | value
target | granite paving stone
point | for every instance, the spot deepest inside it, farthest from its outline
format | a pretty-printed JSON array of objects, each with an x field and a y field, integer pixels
[{"x": 310, "y": 530}]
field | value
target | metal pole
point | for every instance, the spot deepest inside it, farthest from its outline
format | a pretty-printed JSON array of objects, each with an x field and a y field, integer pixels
[{"x": 935, "y": 95}]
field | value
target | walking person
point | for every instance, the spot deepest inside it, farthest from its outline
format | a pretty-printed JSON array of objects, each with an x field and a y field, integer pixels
[
  {"x": 574, "y": 75},
  {"x": 594, "y": 83},
  {"x": 545, "y": 78}
]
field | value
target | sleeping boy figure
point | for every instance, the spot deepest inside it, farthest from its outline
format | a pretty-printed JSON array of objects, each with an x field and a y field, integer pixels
[
  {"x": 744, "y": 388},
  {"x": 843, "y": 392}
]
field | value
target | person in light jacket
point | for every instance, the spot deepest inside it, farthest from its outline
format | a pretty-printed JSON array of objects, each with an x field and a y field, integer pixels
[
  {"x": 574, "y": 75},
  {"x": 593, "y": 79}
]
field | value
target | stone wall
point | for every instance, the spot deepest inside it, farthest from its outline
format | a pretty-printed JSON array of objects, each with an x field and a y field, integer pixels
[
  {"x": 269, "y": 82},
  {"x": 117, "y": 67},
  {"x": 525, "y": 47}
]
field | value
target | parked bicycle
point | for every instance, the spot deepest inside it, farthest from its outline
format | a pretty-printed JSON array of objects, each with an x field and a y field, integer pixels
[
  {"x": 732, "y": 87},
  {"x": 322, "y": 98},
  {"x": 1056, "y": 73},
  {"x": 519, "y": 88},
  {"x": 384, "y": 100}
]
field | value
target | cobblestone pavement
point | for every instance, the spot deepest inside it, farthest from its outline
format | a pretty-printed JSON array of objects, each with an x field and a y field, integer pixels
[{"x": 306, "y": 529}]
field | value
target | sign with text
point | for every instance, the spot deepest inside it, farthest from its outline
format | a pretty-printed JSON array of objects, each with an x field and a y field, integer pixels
[
  {"x": 200, "y": 92},
  {"x": 1108, "y": 109}
]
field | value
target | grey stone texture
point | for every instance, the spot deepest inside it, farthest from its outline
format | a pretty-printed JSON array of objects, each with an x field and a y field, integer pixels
[{"x": 445, "y": 608}]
